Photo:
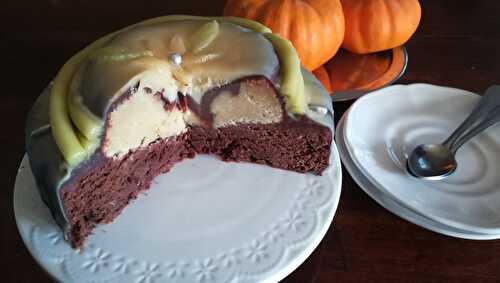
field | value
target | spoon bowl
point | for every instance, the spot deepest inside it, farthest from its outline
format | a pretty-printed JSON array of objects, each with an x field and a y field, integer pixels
[
  {"x": 431, "y": 162},
  {"x": 437, "y": 161}
]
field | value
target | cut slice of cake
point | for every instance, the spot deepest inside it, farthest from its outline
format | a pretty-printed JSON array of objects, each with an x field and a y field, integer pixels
[{"x": 136, "y": 102}]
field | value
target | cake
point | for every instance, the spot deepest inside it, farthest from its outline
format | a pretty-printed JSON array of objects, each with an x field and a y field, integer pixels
[{"x": 136, "y": 102}]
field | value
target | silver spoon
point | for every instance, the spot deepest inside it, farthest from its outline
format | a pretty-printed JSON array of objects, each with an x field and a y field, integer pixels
[{"x": 437, "y": 161}]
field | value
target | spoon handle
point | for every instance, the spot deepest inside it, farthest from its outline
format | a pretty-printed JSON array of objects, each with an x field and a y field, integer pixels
[{"x": 486, "y": 113}]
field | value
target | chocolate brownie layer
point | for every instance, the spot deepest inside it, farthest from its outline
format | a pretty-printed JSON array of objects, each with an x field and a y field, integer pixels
[
  {"x": 97, "y": 194},
  {"x": 99, "y": 191},
  {"x": 299, "y": 146}
]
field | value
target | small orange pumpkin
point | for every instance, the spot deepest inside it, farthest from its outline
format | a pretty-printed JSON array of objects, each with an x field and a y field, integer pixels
[
  {"x": 322, "y": 75},
  {"x": 315, "y": 27},
  {"x": 375, "y": 25}
]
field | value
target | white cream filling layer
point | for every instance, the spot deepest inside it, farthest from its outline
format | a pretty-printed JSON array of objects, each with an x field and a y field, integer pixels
[{"x": 140, "y": 120}]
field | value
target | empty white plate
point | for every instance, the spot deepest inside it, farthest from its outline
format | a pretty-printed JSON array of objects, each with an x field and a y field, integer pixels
[
  {"x": 393, "y": 206},
  {"x": 382, "y": 128}
]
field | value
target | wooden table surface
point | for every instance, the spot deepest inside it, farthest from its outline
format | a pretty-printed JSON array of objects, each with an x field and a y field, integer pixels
[{"x": 457, "y": 44}]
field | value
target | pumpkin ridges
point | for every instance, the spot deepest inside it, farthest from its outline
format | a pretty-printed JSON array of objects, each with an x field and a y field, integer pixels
[
  {"x": 335, "y": 29},
  {"x": 396, "y": 28},
  {"x": 369, "y": 35},
  {"x": 375, "y": 25},
  {"x": 302, "y": 34},
  {"x": 386, "y": 28},
  {"x": 350, "y": 35},
  {"x": 314, "y": 39},
  {"x": 396, "y": 8},
  {"x": 319, "y": 10},
  {"x": 290, "y": 29},
  {"x": 362, "y": 33},
  {"x": 338, "y": 23},
  {"x": 284, "y": 17},
  {"x": 271, "y": 17},
  {"x": 322, "y": 8},
  {"x": 315, "y": 27}
]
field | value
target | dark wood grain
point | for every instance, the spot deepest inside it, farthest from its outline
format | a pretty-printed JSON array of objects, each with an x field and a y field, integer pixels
[{"x": 457, "y": 44}]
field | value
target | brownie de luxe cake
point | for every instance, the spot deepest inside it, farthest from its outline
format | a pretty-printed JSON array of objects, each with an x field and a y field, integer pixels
[{"x": 134, "y": 103}]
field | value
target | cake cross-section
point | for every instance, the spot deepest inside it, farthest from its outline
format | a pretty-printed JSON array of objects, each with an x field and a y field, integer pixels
[{"x": 136, "y": 102}]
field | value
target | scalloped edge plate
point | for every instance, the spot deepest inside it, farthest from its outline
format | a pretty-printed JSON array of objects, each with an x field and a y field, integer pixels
[
  {"x": 427, "y": 113},
  {"x": 270, "y": 251},
  {"x": 393, "y": 206}
]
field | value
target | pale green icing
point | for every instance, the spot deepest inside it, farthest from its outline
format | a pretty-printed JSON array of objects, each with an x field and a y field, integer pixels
[
  {"x": 204, "y": 36},
  {"x": 292, "y": 82},
  {"x": 76, "y": 130},
  {"x": 317, "y": 96},
  {"x": 118, "y": 53}
]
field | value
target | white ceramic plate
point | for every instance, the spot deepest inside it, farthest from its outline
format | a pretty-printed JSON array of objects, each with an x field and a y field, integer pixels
[
  {"x": 381, "y": 130},
  {"x": 393, "y": 206},
  {"x": 205, "y": 221}
]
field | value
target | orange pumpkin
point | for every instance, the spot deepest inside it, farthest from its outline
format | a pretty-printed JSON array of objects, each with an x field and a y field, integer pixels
[
  {"x": 315, "y": 27},
  {"x": 322, "y": 75},
  {"x": 375, "y": 25}
]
